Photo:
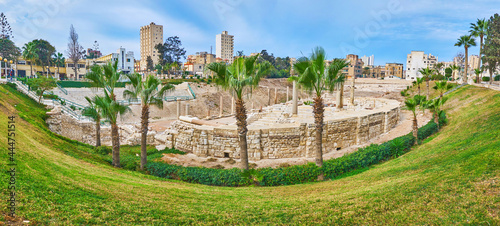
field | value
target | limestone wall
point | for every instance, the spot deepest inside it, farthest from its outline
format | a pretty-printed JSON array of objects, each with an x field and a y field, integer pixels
[{"x": 283, "y": 142}]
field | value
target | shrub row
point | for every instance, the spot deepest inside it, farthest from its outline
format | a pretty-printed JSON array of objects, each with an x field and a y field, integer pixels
[
  {"x": 81, "y": 84},
  {"x": 298, "y": 174}
]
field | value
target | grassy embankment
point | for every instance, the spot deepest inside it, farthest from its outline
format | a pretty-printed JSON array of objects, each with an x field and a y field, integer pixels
[{"x": 454, "y": 177}]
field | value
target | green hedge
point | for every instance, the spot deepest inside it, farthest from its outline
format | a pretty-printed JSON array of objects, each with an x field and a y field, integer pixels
[
  {"x": 82, "y": 84},
  {"x": 298, "y": 174}
]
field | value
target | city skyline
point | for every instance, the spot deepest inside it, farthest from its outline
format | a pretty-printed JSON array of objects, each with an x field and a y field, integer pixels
[{"x": 388, "y": 30}]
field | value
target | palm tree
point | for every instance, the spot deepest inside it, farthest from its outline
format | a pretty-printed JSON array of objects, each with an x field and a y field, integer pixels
[
  {"x": 454, "y": 68},
  {"x": 413, "y": 104},
  {"x": 442, "y": 87},
  {"x": 105, "y": 76},
  {"x": 435, "y": 107},
  {"x": 58, "y": 60},
  {"x": 149, "y": 94},
  {"x": 427, "y": 74},
  {"x": 29, "y": 53},
  {"x": 477, "y": 71},
  {"x": 466, "y": 41},
  {"x": 437, "y": 67},
  {"x": 93, "y": 112},
  {"x": 479, "y": 29},
  {"x": 239, "y": 78},
  {"x": 315, "y": 76},
  {"x": 110, "y": 109},
  {"x": 419, "y": 82}
]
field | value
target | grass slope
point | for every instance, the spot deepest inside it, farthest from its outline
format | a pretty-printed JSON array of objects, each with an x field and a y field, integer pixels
[{"x": 453, "y": 178}]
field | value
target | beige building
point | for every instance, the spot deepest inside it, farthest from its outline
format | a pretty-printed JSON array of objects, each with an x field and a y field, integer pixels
[
  {"x": 23, "y": 69},
  {"x": 224, "y": 47},
  {"x": 196, "y": 63},
  {"x": 355, "y": 67},
  {"x": 151, "y": 35},
  {"x": 394, "y": 70}
]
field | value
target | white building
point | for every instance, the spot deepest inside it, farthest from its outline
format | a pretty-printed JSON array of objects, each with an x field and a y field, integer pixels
[
  {"x": 224, "y": 47},
  {"x": 368, "y": 60},
  {"x": 417, "y": 60},
  {"x": 125, "y": 60}
]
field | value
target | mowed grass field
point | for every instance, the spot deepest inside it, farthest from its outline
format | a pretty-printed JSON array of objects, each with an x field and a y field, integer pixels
[{"x": 452, "y": 178}]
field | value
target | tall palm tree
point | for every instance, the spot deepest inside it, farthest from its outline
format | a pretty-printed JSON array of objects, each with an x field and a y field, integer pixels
[
  {"x": 315, "y": 76},
  {"x": 58, "y": 60},
  {"x": 105, "y": 77},
  {"x": 426, "y": 75},
  {"x": 437, "y": 67},
  {"x": 435, "y": 107},
  {"x": 30, "y": 53},
  {"x": 92, "y": 111},
  {"x": 442, "y": 87},
  {"x": 239, "y": 78},
  {"x": 413, "y": 104},
  {"x": 419, "y": 82},
  {"x": 149, "y": 94},
  {"x": 477, "y": 71},
  {"x": 110, "y": 109},
  {"x": 466, "y": 41},
  {"x": 479, "y": 29}
]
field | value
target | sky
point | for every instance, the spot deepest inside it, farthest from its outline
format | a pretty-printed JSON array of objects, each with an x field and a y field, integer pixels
[{"x": 387, "y": 29}]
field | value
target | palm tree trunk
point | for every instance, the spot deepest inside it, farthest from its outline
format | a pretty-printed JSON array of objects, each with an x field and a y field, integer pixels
[
  {"x": 481, "y": 51},
  {"x": 491, "y": 77},
  {"x": 418, "y": 89},
  {"x": 318, "y": 110},
  {"x": 466, "y": 63},
  {"x": 436, "y": 119},
  {"x": 98, "y": 133},
  {"x": 427, "y": 82},
  {"x": 342, "y": 96},
  {"x": 31, "y": 67},
  {"x": 115, "y": 140},
  {"x": 241, "y": 122},
  {"x": 415, "y": 128},
  {"x": 144, "y": 135}
]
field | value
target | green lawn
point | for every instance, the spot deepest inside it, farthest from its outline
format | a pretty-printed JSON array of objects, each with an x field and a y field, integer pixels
[{"x": 453, "y": 178}]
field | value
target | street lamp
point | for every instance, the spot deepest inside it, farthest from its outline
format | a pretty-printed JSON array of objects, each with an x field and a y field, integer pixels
[
  {"x": 11, "y": 70},
  {"x": 47, "y": 67},
  {"x": 5, "y": 60},
  {"x": 1, "y": 67}
]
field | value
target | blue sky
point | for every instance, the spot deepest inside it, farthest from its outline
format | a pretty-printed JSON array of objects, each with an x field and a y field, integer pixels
[{"x": 388, "y": 29}]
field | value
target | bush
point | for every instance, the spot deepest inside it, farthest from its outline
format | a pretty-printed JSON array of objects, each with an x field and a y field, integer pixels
[
  {"x": 290, "y": 175},
  {"x": 81, "y": 84},
  {"x": 103, "y": 150},
  {"x": 50, "y": 96},
  {"x": 130, "y": 162},
  {"x": 12, "y": 85},
  {"x": 497, "y": 78},
  {"x": 486, "y": 79}
]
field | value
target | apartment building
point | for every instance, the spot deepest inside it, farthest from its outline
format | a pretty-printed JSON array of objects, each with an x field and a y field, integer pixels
[
  {"x": 417, "y": 60},
  {"x": 224, "y": 47},
  {"x": 151, "y": 35}
]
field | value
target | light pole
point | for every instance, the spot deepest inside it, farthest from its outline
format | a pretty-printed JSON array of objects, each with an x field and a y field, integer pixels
[
  {"x": 47, "y": 67},
  {"x": 1, "y": 67},
  {"x": 5, "y": 60},
  {"x": 11, "y": 70}
]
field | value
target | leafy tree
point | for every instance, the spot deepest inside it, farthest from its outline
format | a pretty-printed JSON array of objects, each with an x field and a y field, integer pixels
[
  {"x": 239, "y": 78},
  {"x": 479, "y": 29},
  {"x": 491, "y": 48},
  {"x": 8, "y": 50},
  {"x": 427, "y": 74},
  {"x": 435, "y": 107},
  {"x": 442, "y": 87},
  {"x": 366, "y": 71},
  {"x": 150, "y": 94},
  {"x": 448, "y": 72},
  {"x": 45, "y": 51},
  {"x": 95, "y": 113},
  {"x": 466, "y": 41},
  {"x": 264, "y": 55},
  {"x": 5, "y": 30},
  {"x": 75, "y": 50},
  {"x": 41, "y": 85},
  {"x": 171, "y": 51},
  {"x": 30, "y": 54},
  {"x": 437, "y": 68},
  {"x": 413, "y": 104},
  {"x": 315, "y": 76},
  {"x": 149, "y": 63},
  {"x": 110, "y": 109}
]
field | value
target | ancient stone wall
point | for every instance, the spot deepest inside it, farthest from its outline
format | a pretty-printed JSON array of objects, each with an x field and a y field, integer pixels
[{"x": 283, "y": 142}]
